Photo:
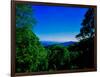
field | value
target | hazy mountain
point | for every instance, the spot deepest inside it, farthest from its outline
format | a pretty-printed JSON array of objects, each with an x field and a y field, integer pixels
[
  {"x": 48, "y": 43},
  {"x": 67, "y": 43}
]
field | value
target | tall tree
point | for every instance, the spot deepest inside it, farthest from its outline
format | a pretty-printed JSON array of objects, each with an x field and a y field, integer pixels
[
  {"x": 30, "y": 54},
  {"x": 86, "y": 38}
]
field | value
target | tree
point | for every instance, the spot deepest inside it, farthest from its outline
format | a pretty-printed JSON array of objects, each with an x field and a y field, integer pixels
[
  {"x": 58, "y": 57},
  {"x": 87, "y": 30},
  {"x": 30, "y": 54},
  {"x": 24, "y": 16},
  {"x": 86, "y": 38}
]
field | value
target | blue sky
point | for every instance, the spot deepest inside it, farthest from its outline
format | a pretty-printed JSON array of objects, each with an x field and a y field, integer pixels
[{"x": 57, "y": 23}]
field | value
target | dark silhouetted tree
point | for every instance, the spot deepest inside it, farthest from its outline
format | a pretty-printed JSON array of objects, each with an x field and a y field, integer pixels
[
  {"x": 87, "y": 30},
  {"x": 86, "y": 38}
]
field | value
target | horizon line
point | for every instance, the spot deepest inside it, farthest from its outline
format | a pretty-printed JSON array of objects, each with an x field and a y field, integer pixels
[{"x": 60, "y": 41}]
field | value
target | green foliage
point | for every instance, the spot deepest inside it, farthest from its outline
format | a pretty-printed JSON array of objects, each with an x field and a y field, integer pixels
[
  {"x": 86, "y": 39},
  {"x": 24, "y": 16},
  {"x": 58, "y": 56},
  {"x": 87, "y": 30},
  {"x": 30, "y": 54}
]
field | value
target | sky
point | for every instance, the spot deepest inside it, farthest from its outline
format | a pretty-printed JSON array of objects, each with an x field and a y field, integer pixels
[{"x": 58, "y": 23}]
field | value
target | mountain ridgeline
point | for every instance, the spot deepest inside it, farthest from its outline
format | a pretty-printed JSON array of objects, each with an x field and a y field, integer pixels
[{"x": 50, "y": 43}]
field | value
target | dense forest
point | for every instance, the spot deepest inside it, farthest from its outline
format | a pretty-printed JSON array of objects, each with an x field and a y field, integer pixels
[{"x": 32, "y": 56}]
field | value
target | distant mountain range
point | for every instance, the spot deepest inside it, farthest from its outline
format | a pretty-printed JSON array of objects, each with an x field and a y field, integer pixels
[
  {"x": 49, "y": 43},
  {"x": 67, "y": 43}
]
